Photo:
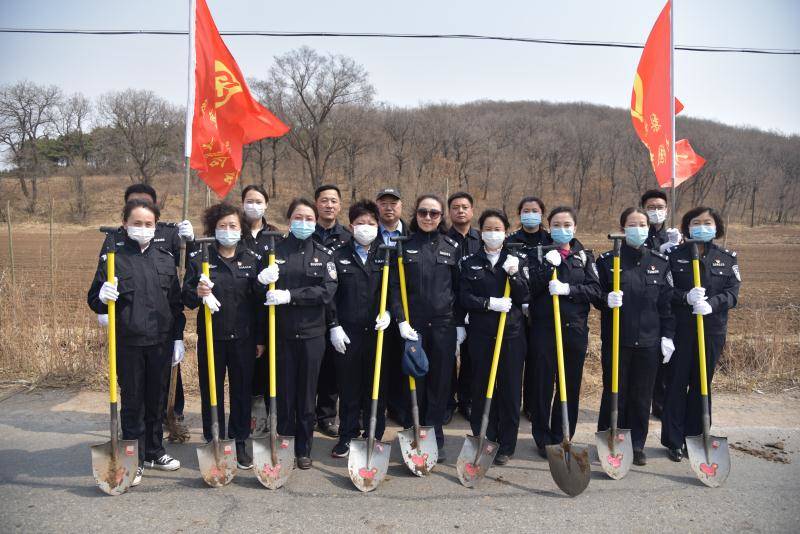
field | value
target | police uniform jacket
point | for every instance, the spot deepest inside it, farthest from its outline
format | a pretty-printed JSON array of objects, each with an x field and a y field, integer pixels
[{"x": 358, "y": 293}]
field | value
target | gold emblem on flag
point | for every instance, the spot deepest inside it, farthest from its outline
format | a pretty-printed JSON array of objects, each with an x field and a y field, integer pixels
[{"x": 225, "y": 83}]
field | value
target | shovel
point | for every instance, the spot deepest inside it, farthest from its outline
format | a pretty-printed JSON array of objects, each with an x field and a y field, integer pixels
[
  {"x": 114, "y": 463},
  {"x": 417, "y": 444},
  {"x": 369, "y": 459},
  {"x": 273, "y": 455},
  {"x": 178, "y": 432},
  {"x": 708, "y": 455},
  {"x": 569, "y": 463},
  {"x": 614, "y": 446},
  {"x": 217, "y": 458}
]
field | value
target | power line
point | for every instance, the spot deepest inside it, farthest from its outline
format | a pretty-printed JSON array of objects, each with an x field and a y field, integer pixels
[{"x": 464, "y": 36}]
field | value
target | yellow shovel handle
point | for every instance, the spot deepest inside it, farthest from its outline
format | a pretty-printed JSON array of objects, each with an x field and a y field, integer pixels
[
  {"x": 376, "y": 377},
  {"x": 273, "y": 388},
  {"x": 112, "y": 334},
  {"x": 401, "y": 272},
  {"x": 562, "y": 384},
  {"x": 701, "y": 337},
  {"x": 212, "y": 377},
  {"x": 615, "y": 331},
  {"x": 498, "y": 345}
]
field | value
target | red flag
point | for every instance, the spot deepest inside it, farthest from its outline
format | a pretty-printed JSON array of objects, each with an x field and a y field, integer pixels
[
  {"x": 650, "y": 107},
  {"x": 226, "y": 116}
]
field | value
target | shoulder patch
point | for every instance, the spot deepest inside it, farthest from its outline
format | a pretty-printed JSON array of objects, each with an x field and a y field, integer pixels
[
  {"x": 669, "y": 279},
  {"x": 323, "y": 248},
  {"x": 450, "y": 240},
  {"x": 658, "y": 254},
  {"x": 594, "y": 268},
  {"x": 582, "y": 256},
  {"x": 193, "y": 254},
  {"x": 331, "y": 270},
  {"x": 736, "y": 272}
]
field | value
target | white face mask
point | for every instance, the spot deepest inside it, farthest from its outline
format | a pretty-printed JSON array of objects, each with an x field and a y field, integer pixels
[
  {"x": 493, "y": 240},
  {"x": 365, "y": 234},
  {"x": 656, "y": 216},
  {"x": 254, "y": 212},
  {"x": 141, "y": 234}
]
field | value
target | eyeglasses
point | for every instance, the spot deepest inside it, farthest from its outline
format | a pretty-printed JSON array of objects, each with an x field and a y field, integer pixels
[{"x": 432, "y": 214}]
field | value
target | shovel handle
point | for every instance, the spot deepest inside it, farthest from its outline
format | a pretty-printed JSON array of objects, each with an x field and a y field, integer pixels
[
  {"x": 212, "y": 377},
  {"x": 376, "y": 377},
  {"x": 112, "y": 333},
  {"x": 615, "y": 329},
  {"x": 498, "y": 345},
  {"x": 401, "y": 273},
  {"x": 701, "y": 337},
  {"x": 562, "y": 384},
  {"x": 273, "y": 387}
]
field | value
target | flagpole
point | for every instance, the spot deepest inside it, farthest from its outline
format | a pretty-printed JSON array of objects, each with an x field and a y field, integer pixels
[
  {"x": 672, "y": 106},
  {"x": 187, "y": 152}
]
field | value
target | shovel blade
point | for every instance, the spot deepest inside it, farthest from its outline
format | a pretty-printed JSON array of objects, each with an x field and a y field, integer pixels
[
  {"x": 569, "y": 466},
  {"x": 217, "y": 460},
  {"x": 258, "y": 417},
  {"x": 615, "y": 452},
  {"x": 713, "y": 470},
  {"x": 114, "y": 470},
  {"x": 420, "y": 458},
  {"x": 368, "y": 475},
  {"x": 273, "y": 475},
  {"x": 473, "y": 463}
]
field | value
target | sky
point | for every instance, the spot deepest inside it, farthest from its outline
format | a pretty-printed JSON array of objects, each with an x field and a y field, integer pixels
[{"x": 737, "y": 89}]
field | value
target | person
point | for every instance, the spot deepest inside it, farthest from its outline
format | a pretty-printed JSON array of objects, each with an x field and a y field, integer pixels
[
  {"x": 332, "y": 235},
  {"x": 481, "y": 289},
  {"x": 430, "y": 259},
  {"x": 646, "y": 327},
  {"x": 149, "y": 327},
  {"x": 719, "y": 274},
  {"x": 354, "y": 322},
  {"x": 460, "y": 207},
  {"x": 234, "y": 296},
  {"x": 305, "y": 286},
  {"x": 531, "y": 234},
  {"x": 577, "y": 287}
]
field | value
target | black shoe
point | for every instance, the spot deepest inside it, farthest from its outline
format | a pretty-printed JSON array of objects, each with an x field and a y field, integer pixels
[
  {"x": 501, "y": 459},
  {"x": 639, "y": 458},
  {"x": 657, "y": 411},
  {"x": 442, "y": 456},
  {"x": 466, "y": 411},
  {"x": 542, "y": 452},
  {"x": 448, "y": 416},
  {"x": 676, "y": 455},
  {"x": 304, "y": 462},
  {"x": 329, "y": 429},
  {"x": 341, "y": 450},
  {"x": 528, "y": 414},
  {"x": 243, "y": 459}
]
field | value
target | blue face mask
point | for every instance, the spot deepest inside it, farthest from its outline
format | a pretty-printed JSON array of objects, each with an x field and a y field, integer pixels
[
  {"x": 703, "y": 232},
  {"x": 531, "y": 219},
  {"x": 227, "y": 238},
  {"x": 302, "y": 229},
  {"x": 562, "y": 236},
  {"x": 635, "y": 236}
]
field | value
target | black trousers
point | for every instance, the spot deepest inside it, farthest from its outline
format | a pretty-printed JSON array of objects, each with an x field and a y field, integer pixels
[
  {"x": 528, "y": 380},
  {"x": 260, "y": 376},
  {"x": 504, "y": 413},
  {"x": 327, "y": 390},
  {"x": 237, "y": 357},
  {"x": 397, "y": 393},
  {"x": 683, "y": 411},
  {"x": 143, "y": 374},
  {"x": 547, "y": 409},
  {"x": 433, "y": 390},
  {"x": 637, "y": 373},
  {"x": 461, "y": 384},
  {"x": 354, "y": 374},
  {"x": 298, "y": 364},
  {"x": 660, "y": 388}
]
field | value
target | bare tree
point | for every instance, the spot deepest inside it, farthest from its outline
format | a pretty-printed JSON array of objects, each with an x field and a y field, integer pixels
[
  {"x": 72, "y": 124},
  {"x": 398, "y": 124}
]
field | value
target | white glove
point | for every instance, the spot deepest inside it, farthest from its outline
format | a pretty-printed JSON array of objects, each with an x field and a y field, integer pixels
[
  {"x": 206, "y": 281},
  {"x": 701, "y": 308},
  {"x": 102, "y": 319},
  {"x": 667, "y": 348},
  {"x": 466, "y": 319},
  {"x": 178, "y": 352},
  {"x": 382, "y": 321},
  {"x": 557, "y": 287},
  {"x": 461, "y": 335},
  {"x": 213, "y": 304},
  {"x": 276, "y": 297},
  {"x": 500, "y": 304},
  {"x": 269, "y": 275},
  {"x": 553, "y": 258},
  {"x": 695, "y": 295},
  {"x": 511, "y": 265},
  {"x": 614, "y": 299},
  {"x": 674, "y": 236},
  {"x": 339, "y": 339},
  {"x": 186, "y": 231},
  {"x": 406, "y": 332},
  {"x": 108, "y": 291},
  {"x": 526, "y": 309}
]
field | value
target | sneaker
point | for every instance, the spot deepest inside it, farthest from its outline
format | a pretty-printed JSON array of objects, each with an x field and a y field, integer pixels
[
  {"x": 341, "y": 450},
  {"x": 639, "y": 457},
  {"x": 165, "y": 463},
  {"x": 137, "y": 478},
  {"x": 243, "y": 459},
  {"x": 329, "y": 429}
]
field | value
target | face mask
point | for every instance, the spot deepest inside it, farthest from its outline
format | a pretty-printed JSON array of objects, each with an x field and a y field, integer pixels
[
  {"x": 562, "y": 236},
  {"x": 530, "y": 219},
  {"x": 140, "y": 234},
  {"x": 493, "y": 240},
  {"x": 365, "y": 234},
  {"x": 228, "y": 238},
  {"x": 254, "y": 212},
  {"x": 656, "y": 216},
  {"x": 703, "y": 232},
  {"x": 302, "y": 229},
  {"x": 635, "y": 236}
]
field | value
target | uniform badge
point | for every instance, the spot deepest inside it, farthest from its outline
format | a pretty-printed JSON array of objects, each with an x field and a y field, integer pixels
[
  {"x": 411, "y": 251},
  {"x": 344, "y": 262},
  {"x": 476, "y": 267},
  {"x": 332, "y": 270},
  {"x": 736, "y": 272},
  {"x": 279, "y": 261},
  {"x": 104, "y": 257}
]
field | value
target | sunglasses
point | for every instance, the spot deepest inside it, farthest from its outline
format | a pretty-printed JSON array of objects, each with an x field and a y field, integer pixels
[{"x": 425, "y": 214}]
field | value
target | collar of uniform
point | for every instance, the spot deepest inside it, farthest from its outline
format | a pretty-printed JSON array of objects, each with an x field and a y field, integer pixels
[
  {"x": 628, "y": 251},
  {"x": 485, "y": 257}
]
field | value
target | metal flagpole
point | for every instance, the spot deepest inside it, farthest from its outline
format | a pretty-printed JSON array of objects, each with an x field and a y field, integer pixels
[
  {"x": 189, "y": 117},
  {"x": 672, "y": 108}
]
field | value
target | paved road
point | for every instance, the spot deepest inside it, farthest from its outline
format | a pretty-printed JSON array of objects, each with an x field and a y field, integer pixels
[{"x": 46, "y": 484}]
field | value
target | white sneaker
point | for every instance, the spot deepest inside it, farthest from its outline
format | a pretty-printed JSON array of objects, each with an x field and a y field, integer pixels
[
  {"x": 137, "y": 478},
  {"x": 166, "y": 463}
]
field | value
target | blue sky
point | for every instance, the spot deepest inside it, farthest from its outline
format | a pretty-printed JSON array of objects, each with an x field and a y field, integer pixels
[{"x": 737, "y": 89}]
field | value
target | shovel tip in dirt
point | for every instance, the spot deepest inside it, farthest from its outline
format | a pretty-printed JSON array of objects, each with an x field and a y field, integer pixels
[{"x": 569, "y": 466}]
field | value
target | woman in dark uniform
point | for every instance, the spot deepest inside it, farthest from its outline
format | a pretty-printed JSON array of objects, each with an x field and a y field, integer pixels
[
  {"x": 481, "y": 288},
  {"x": 149, "y": 326},
  {"x": 719, "y": 274}
]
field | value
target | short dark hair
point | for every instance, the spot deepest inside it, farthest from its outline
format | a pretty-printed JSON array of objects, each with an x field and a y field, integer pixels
[
  {"x": 527, "y": 199},
  {"x": 141, "y": 188},
  {"x": 652, "y": 193},
  {"x": 491, "y": 212},
  {"x": 258, "y": 189},
  {"x": 694, "y": 212},
  {"x": 214, "y": 213},
  {"x": 363, "y": 207},
  {"x": 460, "y": 194},
  {"x": 300, "y": 201},
  {"x": 627, "y": 212},
  {"x": 139, "y": 203},
  {"x": 324, "y": 187},
  {"x": 562, "y": 209},
  {"x": 414, "y": 227}
]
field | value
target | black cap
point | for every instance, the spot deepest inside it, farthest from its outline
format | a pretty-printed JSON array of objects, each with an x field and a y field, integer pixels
[{"x": 388, "y": 191}]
